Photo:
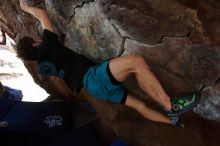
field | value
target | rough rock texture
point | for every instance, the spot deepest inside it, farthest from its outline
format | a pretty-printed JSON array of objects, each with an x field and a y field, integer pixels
[
  {"x": 208, "y": 12},
  {"x": 178, "y": 38},
  {"x": 209, "y": 103}
]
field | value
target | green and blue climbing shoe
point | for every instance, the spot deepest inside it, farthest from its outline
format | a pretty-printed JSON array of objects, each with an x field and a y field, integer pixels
[{"x": 184, "y": 104}]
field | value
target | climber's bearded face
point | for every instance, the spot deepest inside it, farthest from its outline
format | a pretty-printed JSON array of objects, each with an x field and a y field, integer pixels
[{"x": 37, "y": 43}]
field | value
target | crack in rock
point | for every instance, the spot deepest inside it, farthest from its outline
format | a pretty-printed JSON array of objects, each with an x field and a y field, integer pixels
[
  {"x": 122, "y": 49},
  {"x": 79, "y": 6},
  {"x": 204, "y": 86},
  {"x": 174, "y": 36}
]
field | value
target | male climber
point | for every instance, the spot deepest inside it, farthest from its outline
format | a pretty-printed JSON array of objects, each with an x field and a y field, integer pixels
[{"x": 102, "y": 81}]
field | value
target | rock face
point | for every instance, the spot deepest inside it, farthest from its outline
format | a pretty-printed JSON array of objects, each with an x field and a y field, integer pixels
[{"x": 178, "y": 38}]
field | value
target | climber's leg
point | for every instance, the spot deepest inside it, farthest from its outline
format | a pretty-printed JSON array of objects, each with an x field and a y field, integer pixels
[
  {"x": 122, "y": 67},
  {"x": 147, "y": 112}
]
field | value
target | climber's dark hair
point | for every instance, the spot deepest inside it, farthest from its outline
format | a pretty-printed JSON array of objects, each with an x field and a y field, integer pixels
[{"x": 25, "y": 49}]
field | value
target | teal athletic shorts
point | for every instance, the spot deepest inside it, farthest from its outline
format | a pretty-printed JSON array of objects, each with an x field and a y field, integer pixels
[{"x": 100, "y": 83}]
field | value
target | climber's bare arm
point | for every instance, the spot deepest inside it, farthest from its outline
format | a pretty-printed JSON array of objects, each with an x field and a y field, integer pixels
[{"x": 38, "y": 13}]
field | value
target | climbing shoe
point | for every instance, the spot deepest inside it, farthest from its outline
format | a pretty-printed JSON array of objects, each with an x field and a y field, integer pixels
[{"x": 184, "y": 104}]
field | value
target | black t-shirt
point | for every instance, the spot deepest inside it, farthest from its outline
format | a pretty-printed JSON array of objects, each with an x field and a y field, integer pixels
[{"x": 54, "y": 59}]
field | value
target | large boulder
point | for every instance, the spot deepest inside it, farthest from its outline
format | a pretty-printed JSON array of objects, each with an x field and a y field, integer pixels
[{"x": 178, "y": 38}]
